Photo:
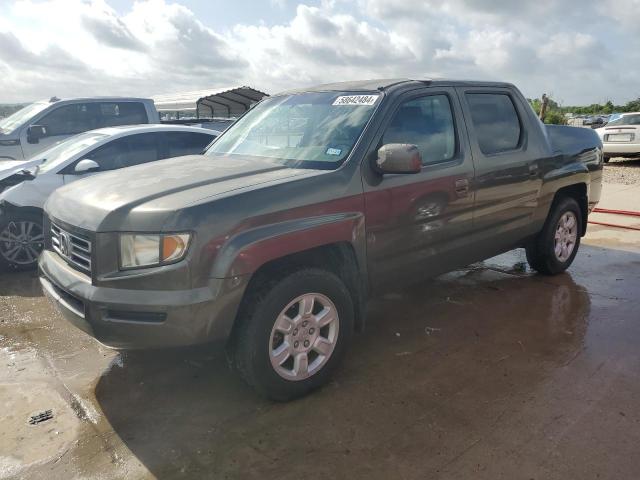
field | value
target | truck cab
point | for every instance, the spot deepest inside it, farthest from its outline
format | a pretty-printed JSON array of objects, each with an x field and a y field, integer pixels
[{"x": 40, "y": 125}]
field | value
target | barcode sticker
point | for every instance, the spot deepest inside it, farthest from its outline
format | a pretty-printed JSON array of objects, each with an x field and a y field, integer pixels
[
  {"x": 333, "y": 151},
  {"x": 356, "y": 100}
]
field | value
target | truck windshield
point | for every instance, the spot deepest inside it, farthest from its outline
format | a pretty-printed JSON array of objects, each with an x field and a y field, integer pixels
[
  {"x": 308, "y": 130},
  {"x": 58, "y": 155},
  {"x": 9, "y": 124}
]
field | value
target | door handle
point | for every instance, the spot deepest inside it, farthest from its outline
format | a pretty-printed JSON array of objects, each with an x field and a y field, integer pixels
[
  {"x": 533, "y": 171},
  {"x": 462, "y": 187}
]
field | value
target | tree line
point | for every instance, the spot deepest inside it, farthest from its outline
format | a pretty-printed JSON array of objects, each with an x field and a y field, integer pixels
[{"x": 556, "y": 113}]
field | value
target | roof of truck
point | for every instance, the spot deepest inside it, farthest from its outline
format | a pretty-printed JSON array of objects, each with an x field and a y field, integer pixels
[
  {"x": 93, "y": 99},
  {"x": 388, "y": 83}
]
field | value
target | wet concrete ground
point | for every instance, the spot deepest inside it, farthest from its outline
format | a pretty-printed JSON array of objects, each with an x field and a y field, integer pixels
[{"x": 489, "y": 372}]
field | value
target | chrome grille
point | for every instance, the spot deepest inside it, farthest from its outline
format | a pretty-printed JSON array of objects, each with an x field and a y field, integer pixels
[{"x": 73, "y": 248}]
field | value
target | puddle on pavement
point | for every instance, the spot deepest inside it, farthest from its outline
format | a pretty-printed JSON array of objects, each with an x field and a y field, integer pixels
[
  {"x": 442, "y": 342},
  {"x": 23, "y": 445}
]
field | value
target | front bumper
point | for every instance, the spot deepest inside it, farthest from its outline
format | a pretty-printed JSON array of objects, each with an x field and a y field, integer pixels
[{"x": 126, "y": 318}]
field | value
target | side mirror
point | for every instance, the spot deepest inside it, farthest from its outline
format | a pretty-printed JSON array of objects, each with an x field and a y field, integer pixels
[
  {"x": 35, "y": 133},
  {"x": 86, "y": 165},
  {"x": 399, "y": 158}
]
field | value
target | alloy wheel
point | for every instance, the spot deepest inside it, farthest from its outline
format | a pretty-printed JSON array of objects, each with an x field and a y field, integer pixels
[
  {"x": 21, "y": 242},
  {"x": 566, "y": 236},
  {"x": 304, "y": 336}
]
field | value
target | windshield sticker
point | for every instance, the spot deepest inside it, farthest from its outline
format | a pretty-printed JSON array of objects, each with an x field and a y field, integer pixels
[
  {"x": 356, "y": 100},
  {"x": 333, "y": 151}
]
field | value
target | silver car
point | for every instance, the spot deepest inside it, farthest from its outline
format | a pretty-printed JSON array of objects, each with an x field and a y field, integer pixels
[{"x": 27, "y": 185}]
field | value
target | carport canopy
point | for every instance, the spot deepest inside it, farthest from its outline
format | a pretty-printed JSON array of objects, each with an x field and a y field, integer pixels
[{"x": 227, "y": 102}]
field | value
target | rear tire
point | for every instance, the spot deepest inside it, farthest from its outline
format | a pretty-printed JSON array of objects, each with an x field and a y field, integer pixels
[
  {"x": 606, "y": 159},
  {"x": 21, "y": 241},
  {"x": 555, "y": 247},
  {"x": 292, "y": 333}
]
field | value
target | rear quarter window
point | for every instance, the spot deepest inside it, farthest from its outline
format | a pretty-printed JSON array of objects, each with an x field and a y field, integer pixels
[
  {"x": 495, "y": 122},
  {"x": 187, "y": 143},
  {"x": 122, "y": 113}
]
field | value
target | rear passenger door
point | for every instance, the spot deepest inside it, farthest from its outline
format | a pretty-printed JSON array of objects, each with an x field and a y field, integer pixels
[
  {"x": 419, "y": 224},
  {"x": 507, "y": 180}
]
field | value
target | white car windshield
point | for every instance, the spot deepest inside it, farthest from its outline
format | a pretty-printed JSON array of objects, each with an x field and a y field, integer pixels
[
  {"x": 20, "y": 117},
  {"x": 59, "y": 154},
  {"x": 308, "y": 130}
]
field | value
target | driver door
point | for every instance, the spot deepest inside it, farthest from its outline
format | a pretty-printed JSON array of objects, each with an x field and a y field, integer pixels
[
  {"x": 419, "y": 225},
  {"x": 61, "y": 123}
]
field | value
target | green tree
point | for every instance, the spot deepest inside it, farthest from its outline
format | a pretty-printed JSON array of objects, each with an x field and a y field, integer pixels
[
  {"x": 555, "y": 117},
  {"x": 554, "y": 114},
  {"x": 608, "y": 107},
  {"x": 633, "y": 105}
]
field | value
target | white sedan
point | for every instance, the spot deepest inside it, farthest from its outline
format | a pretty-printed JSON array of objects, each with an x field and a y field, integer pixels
[
  {"x": 621, "y": 137},
  {"x": 27, "y": 185}
]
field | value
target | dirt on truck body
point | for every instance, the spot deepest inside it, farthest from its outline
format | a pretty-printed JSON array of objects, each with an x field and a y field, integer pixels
[{"x": 273, "y": 239}]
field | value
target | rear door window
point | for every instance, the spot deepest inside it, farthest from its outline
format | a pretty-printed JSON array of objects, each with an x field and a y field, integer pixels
[
  {"x": 122, "y": 113},
  {"x": 495, "y": 121},
  {"x": 186, "y": 143},
  {"x": 143, "y": 148},
  {"x": 71, "y": 119},
  {"x": 428, "y": 123}
]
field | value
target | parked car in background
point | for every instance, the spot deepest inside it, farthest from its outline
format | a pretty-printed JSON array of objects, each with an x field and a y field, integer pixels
[
  {"x": 621, "y": 136},
  {"x": 42, "y": 124},
  {"x": 273, "y": 240},
  {"x": 28, "y": 185}
]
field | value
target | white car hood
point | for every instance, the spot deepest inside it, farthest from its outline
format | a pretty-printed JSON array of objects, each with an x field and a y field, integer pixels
[{"x": 12, "y": 167}]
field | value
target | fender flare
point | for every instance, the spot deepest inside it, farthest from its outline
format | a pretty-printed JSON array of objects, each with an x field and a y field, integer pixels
[{"x": 247, "y": 251}]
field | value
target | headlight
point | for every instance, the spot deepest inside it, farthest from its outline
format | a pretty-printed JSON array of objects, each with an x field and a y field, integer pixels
[{"x": 142, "y": 250}]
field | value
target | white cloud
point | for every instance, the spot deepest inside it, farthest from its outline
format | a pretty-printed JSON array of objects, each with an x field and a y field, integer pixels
[
  {"x": 319, "y": 46},
  {"x": 580, "y": 50},
  {"x": 625, "y": 12}
]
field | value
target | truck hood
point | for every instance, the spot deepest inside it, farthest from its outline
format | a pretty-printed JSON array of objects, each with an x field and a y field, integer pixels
[{"x": 141, "y": 198}]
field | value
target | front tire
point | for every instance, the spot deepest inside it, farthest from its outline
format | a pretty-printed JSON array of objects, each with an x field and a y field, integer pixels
[
  {"x": 292, "y": 333},
  {"x": 554, "y": 249},
  {"x": 21, "y": 241}
]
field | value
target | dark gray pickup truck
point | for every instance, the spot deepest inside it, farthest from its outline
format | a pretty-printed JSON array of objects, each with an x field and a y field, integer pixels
[{"x": 272, "y": 241}]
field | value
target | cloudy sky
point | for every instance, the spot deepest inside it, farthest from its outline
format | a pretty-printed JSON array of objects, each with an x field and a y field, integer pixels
[{"x": 579, "y": 51}]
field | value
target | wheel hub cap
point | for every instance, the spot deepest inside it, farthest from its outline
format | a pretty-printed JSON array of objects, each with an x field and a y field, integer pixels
[
  {"x": 304, "y": 336},
  {"x": 566, "y": 236}
]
